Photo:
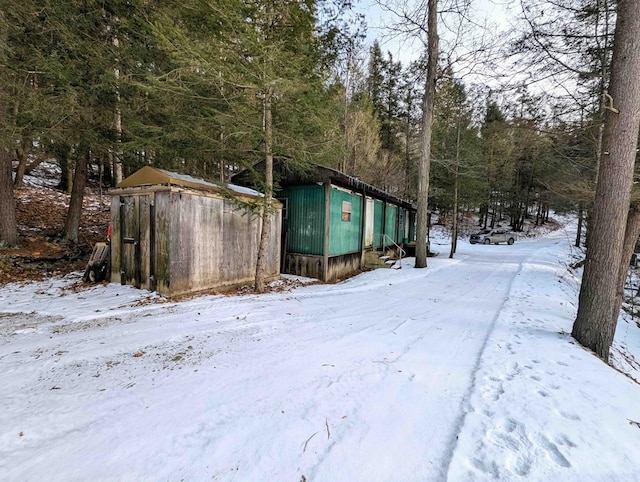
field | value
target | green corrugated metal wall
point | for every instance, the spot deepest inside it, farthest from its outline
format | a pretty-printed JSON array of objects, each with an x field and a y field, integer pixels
[
  {"x": 344, "y": 236},
  {"x": 305, "y": 219},
  {"x": 391, "y": 226},
  {"x": 378, "y": 211},
  {"x": 306, "y": 214}
]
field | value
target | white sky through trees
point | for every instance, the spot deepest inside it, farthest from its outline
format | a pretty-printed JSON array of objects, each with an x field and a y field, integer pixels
[{"x": 380, "y": 21}]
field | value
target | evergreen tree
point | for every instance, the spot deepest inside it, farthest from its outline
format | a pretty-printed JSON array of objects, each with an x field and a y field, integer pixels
[
  {"x": 8, "y": 226},
  {"x": 455, "y": 150},
  {"x": 257, "y": 70},
  {"x": 598, "y": 309},
  {"x": 498, "y": 145}
]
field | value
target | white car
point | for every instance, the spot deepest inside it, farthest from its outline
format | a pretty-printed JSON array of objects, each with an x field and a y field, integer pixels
[{"x": 493, "y": 236}]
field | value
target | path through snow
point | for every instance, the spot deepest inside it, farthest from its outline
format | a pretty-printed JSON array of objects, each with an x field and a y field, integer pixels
[{"x": 462, "y": 371}]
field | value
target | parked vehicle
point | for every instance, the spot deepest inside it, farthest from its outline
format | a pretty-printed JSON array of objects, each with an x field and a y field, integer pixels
[{"x": 493, "y": 236}]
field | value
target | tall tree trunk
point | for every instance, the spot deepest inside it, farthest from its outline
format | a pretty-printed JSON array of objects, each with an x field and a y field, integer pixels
[
  {"x": 456, "y": 182},
  {"x": 408, "y": 146},
  {"x": 72, "y": 223},
  {"x": 117, "y": 122},
  {"x": 425, "y": 138},
  {"x": 61, "y": 152},
  {"x": 268, "y": 194},
  {"x": 23, "y": 155},
  {"x": 631, "y": 234},
  {"x": 8, "y": 225},
  {"x": 597, "y": 316},
  {"x": 485, "y": 216},
  {"x": 580, "y": 221}
]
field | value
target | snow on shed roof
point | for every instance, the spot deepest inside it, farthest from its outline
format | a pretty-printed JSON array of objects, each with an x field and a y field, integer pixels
[{"x": 148, "y": 176}]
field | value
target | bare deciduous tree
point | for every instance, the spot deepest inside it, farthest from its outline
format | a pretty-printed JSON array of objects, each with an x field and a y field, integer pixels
[{"x": 425, "y": 137}]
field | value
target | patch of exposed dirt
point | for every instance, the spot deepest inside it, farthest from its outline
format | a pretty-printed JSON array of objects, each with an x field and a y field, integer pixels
[{"x": 41, "y": 211}]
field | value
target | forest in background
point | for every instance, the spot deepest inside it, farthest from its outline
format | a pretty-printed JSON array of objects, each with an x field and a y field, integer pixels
[{"x": 105, "y": 87}]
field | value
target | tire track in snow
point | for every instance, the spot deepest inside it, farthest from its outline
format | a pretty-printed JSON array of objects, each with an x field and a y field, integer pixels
[
  {"x": 465, "y": 404},
  {"x": 496, "y": 442}
]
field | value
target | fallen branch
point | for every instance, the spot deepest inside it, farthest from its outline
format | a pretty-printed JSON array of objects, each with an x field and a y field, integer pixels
[
  {"x": 305, "y": 444},
  {"x": 577, "y": 264},
  {"x": 38, "y": 160},
  {"x": 326, "y": 422}
]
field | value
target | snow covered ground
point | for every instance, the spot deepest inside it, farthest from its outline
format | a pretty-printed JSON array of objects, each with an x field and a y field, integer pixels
[{"x": 461, "y": 371}]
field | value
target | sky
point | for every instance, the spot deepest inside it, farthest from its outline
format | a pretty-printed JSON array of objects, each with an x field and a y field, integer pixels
[
  {"x": 496, "y": 14},
  {"x": 464, "y": 371}
]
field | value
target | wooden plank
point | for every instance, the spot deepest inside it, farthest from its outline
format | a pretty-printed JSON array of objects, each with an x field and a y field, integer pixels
[
  {"x": 199, "y": 242},
  {"x": 130, "y": 235},
  {"x": 116, "y": 250},
  {"x": 163, "y": 245},
  {"x": 144, "y": 241}
]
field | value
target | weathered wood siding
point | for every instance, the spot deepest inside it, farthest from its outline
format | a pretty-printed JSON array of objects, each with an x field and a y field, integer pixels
[
  {"x": 178, "y": 241},
  {"x": 340, "y": 266},
  {"x": 144, "y": 248},
  {"x": 131, "y": 246},
  {"x": 311, "y": 266},
  {"x": 195, "y": 249},
  {"x": 129, "y": 227},
  {"x": 241, "y": 236},
  {"x": 304, "y": 265},
  {"x": 163, "y": 233},
  {"x": 115, "y": 239}
]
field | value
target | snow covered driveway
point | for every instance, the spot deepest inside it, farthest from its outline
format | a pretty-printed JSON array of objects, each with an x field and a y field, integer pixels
[{"x": 463, "y": 371}]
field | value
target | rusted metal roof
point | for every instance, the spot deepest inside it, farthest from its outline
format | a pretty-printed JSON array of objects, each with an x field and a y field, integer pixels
[{"x": 287, "y": 175}]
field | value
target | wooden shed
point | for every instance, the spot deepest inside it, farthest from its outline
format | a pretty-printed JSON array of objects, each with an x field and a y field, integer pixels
[
  {"x": 331, "y": 220},
  {"x": 176, "y": 234}
]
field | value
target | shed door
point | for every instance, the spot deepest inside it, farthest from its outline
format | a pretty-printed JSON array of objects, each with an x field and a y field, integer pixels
[
  {"x": 137, "y": 243},
  {"x": 369, "y": 222}
]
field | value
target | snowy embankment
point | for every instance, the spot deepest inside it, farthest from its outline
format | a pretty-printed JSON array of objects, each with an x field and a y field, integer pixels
[{"x": 463, "y": 371}]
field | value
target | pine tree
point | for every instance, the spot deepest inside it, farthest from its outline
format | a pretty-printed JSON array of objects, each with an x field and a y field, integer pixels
[
  {"x": 455, "y": 150},
  {"x": 255, "y": 75},
  {"x": 499, "y": 168},
  {"x": 598, "y": 309},
  {"x": 8, "y": 226}
]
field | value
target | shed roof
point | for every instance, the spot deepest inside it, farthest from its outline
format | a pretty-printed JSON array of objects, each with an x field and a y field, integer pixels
[
  {"x": 288, "y": 176},
  {"x": 149, "y": 176}
]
